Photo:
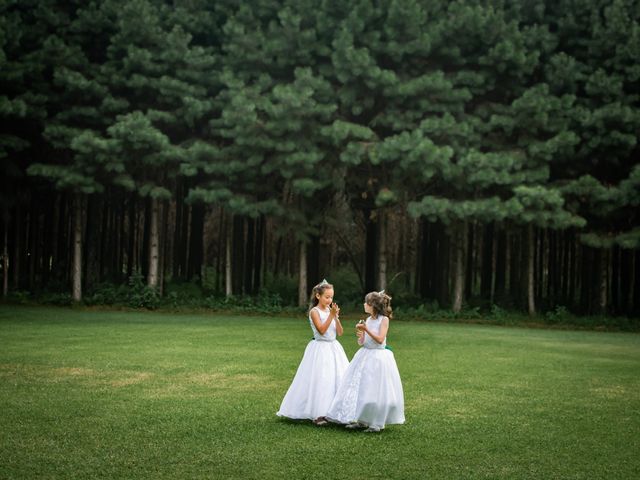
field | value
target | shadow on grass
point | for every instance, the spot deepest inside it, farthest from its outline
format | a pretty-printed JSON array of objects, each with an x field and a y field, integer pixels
[{"x": 328, "y": 426}]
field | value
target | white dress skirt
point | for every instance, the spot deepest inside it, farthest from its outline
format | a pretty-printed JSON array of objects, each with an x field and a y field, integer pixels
[
  {"x": 371, "y": 391},
  {"x": 318, "y": 377}
]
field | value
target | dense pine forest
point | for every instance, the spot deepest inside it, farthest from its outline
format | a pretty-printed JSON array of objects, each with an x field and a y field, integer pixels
[{"x": 457, "y": 153}]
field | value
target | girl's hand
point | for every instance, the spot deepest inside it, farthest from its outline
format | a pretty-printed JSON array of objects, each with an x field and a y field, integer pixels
[
  {"x": 361, "y": 327},
  {"x": 335, "y": 309}
]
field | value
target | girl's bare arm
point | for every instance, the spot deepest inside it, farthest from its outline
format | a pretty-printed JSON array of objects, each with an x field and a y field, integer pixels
[
  {"x": 339, "y": 329},
  {"x": 320, "y": 326}
]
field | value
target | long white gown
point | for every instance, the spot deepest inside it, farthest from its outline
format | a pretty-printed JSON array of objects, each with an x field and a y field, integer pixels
[
  {"x": 371, "y": 391},
  {"x": 318, "y": 376}
]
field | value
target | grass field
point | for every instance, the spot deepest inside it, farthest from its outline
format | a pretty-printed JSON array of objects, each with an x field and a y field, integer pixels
[{"x": 106, "y": 394}]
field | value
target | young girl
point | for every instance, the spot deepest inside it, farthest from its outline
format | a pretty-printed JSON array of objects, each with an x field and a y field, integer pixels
[
  {"x": 323, "y": 364},
  {"x": 370, "y": 395}
]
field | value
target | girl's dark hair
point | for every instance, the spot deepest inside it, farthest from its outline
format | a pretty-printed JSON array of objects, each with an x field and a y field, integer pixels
[
  {"x": 380, "y": 302},
  {"x": 318, "y": 290}
]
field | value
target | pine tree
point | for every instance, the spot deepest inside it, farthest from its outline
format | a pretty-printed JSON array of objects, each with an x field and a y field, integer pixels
[
  {"x": 266, "y": 155},
  {"x": 494, "y": 144},
  {"x": 135, "y": 92},
  {"x": 40, "y": 51},
  {"x": 595, "y": 66},
  {"x": 15, "y": 109}
]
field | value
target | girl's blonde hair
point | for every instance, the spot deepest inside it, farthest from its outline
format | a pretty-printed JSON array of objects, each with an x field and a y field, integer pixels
[
  {"x": 318, "y": 290},
  {"x": 380, "y": 302}
]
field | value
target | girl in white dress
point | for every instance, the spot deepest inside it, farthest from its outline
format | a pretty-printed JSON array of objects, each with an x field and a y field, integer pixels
[
  {"x": 323, "y": 364},
  {"x": 370, "y": 395}
]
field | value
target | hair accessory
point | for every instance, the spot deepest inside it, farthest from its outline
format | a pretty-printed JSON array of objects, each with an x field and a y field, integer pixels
[
  {"x": 381, "y": 292},
  {"x": 324, "y": 282}
]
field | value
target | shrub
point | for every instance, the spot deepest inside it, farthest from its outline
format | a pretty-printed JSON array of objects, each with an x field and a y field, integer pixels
[
  {"x": 60, "y": 299},
  {"x": 283, "y": 286},
  {"x": 21, "y": 297},
  {"x": 263, "y": 303},
  {"x": 347, "y": 286},
  {"x": 140, "y": 294},
  {"x": 184, "y": 290},
  {"x": 558, "y": 315},
  {"x": 107, "y": 294}
]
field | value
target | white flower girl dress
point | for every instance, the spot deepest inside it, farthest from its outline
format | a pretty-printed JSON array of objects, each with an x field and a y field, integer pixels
[
  {"x": 370, "y": 394},
  {"x": 318, "y": 377}
]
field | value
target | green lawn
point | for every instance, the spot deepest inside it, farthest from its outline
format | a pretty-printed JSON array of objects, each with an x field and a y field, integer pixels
[{"x": 90, "y": 394}]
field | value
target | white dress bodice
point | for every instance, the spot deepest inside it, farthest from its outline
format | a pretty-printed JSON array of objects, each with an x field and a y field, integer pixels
[
  {"x": 330, "y": 334},
  {"x": 373, "y": 324}
]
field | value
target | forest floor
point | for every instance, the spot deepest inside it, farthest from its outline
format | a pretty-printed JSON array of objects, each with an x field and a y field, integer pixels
[{"x": 108, "y": 394}]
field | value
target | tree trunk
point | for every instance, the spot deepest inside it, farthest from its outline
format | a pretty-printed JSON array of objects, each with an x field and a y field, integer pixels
[
  {"x": 154, "y": 243},
  {"x": 568, "y": 289},
  {"x": 382, "y": 251},
  {"x": 164, "y": 251},
  {"x": 531, "y": 304},
  {"x": 258, "y": 254},
  {"x": 352, "y": 258},
  {"x": 603, "y": 276},
  {"x": 183, "y": 253},
  {"x": 556, "y": 253},
  {"x": 278, "y": 257},
  {"x": 238, "y": 254},
  {"x": 249, "y": 257},
  {"x": 221, "y": 252},
  {"x": 51, "y": 267},
  {"x": 5, "y": 254},
  {"x": 488, "y": 265},
  {"x": 501, "y": 263},
  {"x": 146, "y": 240},
  {"x": 77, "y": 248},
  {"x": 460, "y": 235},
  {"x": 91, "y": 253},
  {"x": 586, "y": 279},
  {"x": 442, "y": 265},
  {"x": 228, "y": 278},
  {"x": 108, "y": 235},
  {"x": 120, "y": 241},
  {"x": 520, "y": 268},
  {"x": 196, "y": 242},
  {"x": 32, "y": 234},
  {"x": 538, "y": 266},
  {"x": 470, "y": 263},
  {"x": 131, "y": 237},
  {"x": 632, "y": 282},
  {"x": 508, "y": 258},
  {"x": 370, "y": 253},
  {"x": 616, "y": 279},
  {"x": 17, "y": 248},
  {"x": 546, "y": 259},
  {"x": 313, "y": 259},
  {"x": 575, "y": 287},
  {"x": 494, "y": 260},
  {"x": 63, "y": 252},
  {"x": 179, "y": 246},
  {"x": 422, "y": 263},
  {"x": 302, "y": 276}
]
